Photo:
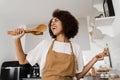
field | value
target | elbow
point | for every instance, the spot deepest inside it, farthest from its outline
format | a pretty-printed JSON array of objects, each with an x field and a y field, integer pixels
[
  {"x": 21, "y": 62},
  {"x": 82, "y": 74}
]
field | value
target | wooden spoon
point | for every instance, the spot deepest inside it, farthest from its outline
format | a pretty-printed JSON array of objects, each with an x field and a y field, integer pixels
[{"x": 38, "y": 30}]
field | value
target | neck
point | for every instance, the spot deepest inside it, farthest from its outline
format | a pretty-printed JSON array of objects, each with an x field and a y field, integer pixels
[{"x": 62, "y": 38}]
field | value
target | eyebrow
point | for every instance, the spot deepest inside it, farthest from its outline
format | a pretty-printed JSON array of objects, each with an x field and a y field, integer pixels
[{"x": 55, "y": 18}]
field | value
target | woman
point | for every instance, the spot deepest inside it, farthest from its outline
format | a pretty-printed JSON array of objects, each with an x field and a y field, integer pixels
[{"x": 59, "y": 58}]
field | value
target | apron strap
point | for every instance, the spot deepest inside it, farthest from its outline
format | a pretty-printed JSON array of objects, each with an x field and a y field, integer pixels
[
  {"x": 76, "y": 64},
  {"x": 71, "y": 48},
  {"x": 52, "y": 44}
]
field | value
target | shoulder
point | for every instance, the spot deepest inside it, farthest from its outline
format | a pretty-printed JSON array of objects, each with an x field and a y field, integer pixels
[
  {"x": 45, "y": 41},
  {"x": 76, "y": 48},
  {"x": 75, "y": 45}
]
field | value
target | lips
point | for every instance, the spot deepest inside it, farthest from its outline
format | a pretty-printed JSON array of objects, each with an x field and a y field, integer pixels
[{"x": 54, "y": 27}]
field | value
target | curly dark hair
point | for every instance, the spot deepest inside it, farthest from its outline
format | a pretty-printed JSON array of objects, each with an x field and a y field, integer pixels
[{"x": 69, "y": 23}]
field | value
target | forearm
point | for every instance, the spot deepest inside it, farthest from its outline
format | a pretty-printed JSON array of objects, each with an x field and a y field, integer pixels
[
  {"x": 87, "y": 68},
  {"x": 90, "y": 64},
  {"x": 20, "y": 53}
]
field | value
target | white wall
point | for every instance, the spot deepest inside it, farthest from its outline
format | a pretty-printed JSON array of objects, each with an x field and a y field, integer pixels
[
  {"x": 115, "y": 42},
  {"x": 116, "y": 24},
  {"x": 82, "y": 37},
  {"x": 7, "y": 48},
  {"x": 6, "y": 44}
]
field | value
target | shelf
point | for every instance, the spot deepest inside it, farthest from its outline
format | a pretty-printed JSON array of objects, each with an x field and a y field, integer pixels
[{"x": 105, "y": 21}]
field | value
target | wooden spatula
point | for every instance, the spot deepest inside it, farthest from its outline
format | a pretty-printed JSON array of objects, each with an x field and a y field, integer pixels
[{"x": 38, "y": 30}]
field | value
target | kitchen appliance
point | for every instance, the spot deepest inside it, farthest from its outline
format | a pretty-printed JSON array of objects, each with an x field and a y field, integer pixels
[
  {"x": 28, "y": 71},
  {"x": 12, "y": 70}
]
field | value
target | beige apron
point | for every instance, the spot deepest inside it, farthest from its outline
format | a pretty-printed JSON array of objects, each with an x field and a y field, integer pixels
[{"x": 59, "y": 66}]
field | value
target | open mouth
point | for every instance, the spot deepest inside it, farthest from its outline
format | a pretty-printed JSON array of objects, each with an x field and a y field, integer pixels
[{"x": 54, "y": 27}]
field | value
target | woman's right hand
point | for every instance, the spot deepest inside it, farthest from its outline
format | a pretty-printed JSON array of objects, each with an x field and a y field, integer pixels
[{"x": 18, "y": 33}]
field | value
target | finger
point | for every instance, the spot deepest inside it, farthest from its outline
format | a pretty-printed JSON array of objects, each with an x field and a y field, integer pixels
[
  {"x": 20, "y": 31},
  {"x": 23, "y": 30},
  {"x": 106, "y": 51},
  {"x": 101, "y": 57},
  {"x": 98, "y": 56},
  {"x": 17, "y": 31}
]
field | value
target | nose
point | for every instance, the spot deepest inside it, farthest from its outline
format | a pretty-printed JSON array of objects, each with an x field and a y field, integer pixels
[{"x": 53, "y": 22}]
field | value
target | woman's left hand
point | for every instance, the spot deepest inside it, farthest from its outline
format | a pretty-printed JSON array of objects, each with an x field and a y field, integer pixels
[{"x": 101, "y": 56}]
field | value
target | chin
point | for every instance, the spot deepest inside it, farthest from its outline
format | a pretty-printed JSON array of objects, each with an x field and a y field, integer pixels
[{"x": 55, "y": 33}]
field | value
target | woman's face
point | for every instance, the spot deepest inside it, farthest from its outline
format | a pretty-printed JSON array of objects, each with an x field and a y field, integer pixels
[{"x": 56, "y": 26}]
